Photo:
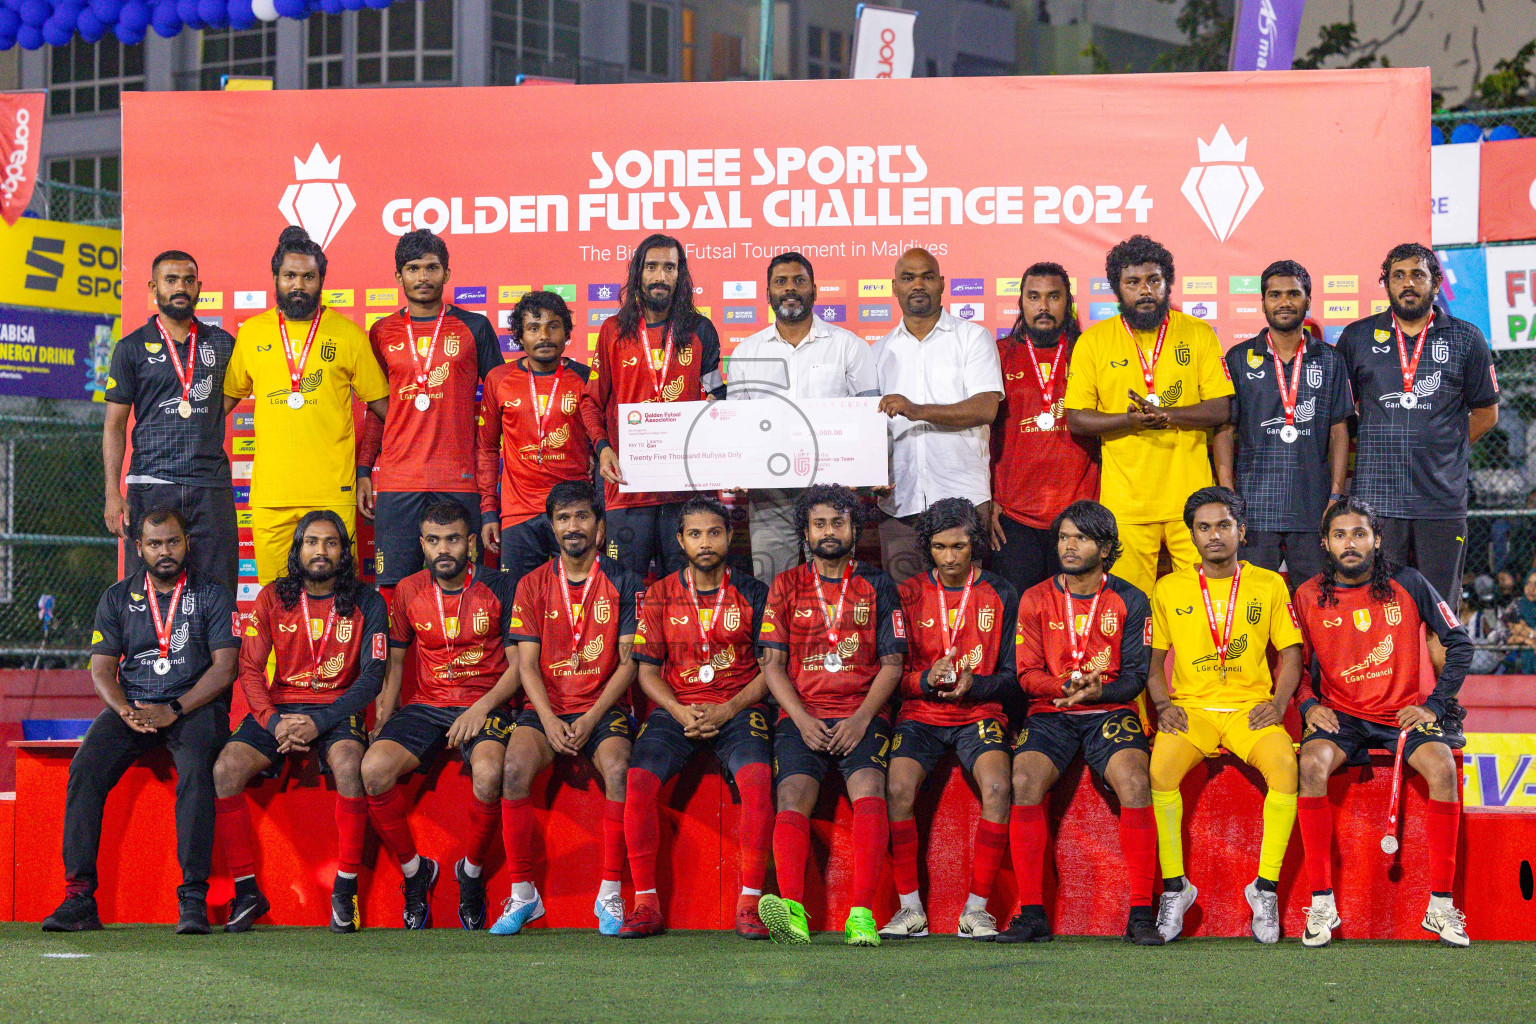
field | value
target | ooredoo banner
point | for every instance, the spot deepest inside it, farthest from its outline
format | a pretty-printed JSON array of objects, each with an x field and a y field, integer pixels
[{"x": 21, "y": 131}]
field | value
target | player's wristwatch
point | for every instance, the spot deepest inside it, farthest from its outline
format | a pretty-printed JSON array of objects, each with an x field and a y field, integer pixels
[{"x": 175, "y": 706}]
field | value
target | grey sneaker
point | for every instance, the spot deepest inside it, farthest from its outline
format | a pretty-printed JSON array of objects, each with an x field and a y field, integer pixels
[
  {"x": 908, "y": 923},
  {"x": 976, "y": 923},
  {"x": 1266, "y": 914},
  {"x": 1448, "y": 923},
  {"x": 1322, "y": 919},
  {"x": 1171, "y": 908}
]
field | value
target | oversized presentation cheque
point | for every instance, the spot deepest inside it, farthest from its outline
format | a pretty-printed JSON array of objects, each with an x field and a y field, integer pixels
[{"x": 752, "y": 443}]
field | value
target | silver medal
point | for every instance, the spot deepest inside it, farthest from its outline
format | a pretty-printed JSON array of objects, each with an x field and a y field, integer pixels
[
  {"x": 1045, "y": 421},
  {"x": 1077, "y": 677},
  {"x": 947, "y": 679},
  {"x": 833, "y": 662},
  {"x": 1154, "y": 399},
  {"x": 1408, "y": 400},
  {"x": 161, "y": 666},
  {"x": 184, "y": 409},
  {"x": 1289, "y": 434},
  {"x": 706, "y": 673},
  {"x": 295, "y": 400},
  {"x": 423, "y": 403}
]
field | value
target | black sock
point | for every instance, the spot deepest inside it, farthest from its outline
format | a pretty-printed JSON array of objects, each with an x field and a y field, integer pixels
[
  {"x": 346, "y": 886},
  {"x": 1441, "y": 895},
  {"x": 1175, "y": 884},
  {"x": 1322, "y": 892},
  {"x": 1264, "y": 885},
  {"x": 246, "y": 886}
]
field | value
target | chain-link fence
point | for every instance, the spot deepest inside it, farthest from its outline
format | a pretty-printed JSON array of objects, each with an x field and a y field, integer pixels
[
  {"x": 76, "y": 204},
  {"x": 54, "y": 549},
  {"x": 1507, "y": 122}
]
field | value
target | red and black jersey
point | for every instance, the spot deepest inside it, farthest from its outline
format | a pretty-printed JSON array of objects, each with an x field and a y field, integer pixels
[
  {"x": 509, "y": 437},
  {"x": 460, "y": 645},
  {"x": 1363, "y": 653},
  {"x": 344, "y": 673},
  {"x": 982, "y": 642},
  {"x": 622, "y": 373},
  {"x": 669, "y": 635},
  {"x": 431, "y": 449},
  {"x": 548, "y": 602},
  {"x": 1116, "y": 642},
  {"x": 871, "y": 627},
  {"x": 1036, "y": 473}
]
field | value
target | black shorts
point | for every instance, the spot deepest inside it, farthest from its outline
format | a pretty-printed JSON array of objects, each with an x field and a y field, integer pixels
[
  {"x": 1357, "y": 737},
  {"x": 662, "y": 748},
  {"x": 397, "y": 530},
  {"x": 926, "y": 743},
  {"x": 1438, "y": 547},
  {"x": 792, "y": 757},
  {"x": 617, "y": 722},
  {"x": 1099, "y": 735},
  {"x": 211, "y": 528},
  {"x": 527, "y": 545},
  {"x": 639, "y": 536},
  {"x": 421, "y": 728},
  {"x": 263, "y": 742}
]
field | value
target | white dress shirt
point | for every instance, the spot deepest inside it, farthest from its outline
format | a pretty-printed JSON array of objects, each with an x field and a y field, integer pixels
[
  {"x": 956, "y": 361},
  {"x": 829, "y": 362}
]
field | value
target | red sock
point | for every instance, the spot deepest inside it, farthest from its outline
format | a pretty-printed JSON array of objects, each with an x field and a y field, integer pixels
[
  {"x": 1444, "y": 823},
  {"x": 613, "y": 840},
  {"x": 1138, "y": 844},
  {"x": 351, "y": 827},
  {"x": 871, "y": 832},
  {"x": 642, "y": 826},
  {"x": 232, "y": 821},
  {"x": 991, "y": 848},
  {"x": 1026, "y": 836},
  {"x": 388, "y": 812},
  {"x": 517, "y": 826},
  {"x": 484, "y": 820},
  {"x": 1315, "y": 817},
  {"x": 791, "y": 849},
  {"x": 904, "y": 855},
  {"x": 755, "y": 783}
]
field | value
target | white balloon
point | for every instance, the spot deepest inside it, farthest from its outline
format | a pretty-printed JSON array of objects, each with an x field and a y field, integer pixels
[{"x": 266, "y": 10}]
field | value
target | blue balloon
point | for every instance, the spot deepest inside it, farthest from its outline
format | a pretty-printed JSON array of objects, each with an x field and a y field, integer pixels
[
  {"x": 57, "y": 32},
  {"x": 186, "y": 11},
  {"x": 332, "y": 6},
  {"x": 91, "y": 28},
  {"x": 379, "y": 5},
  {"x": 134, "y": 17},
  {"x": 6, "y": 42},
  {"x": 292, "y": 8},
  {"x": 29, "y": 37},
  {"x": 240, "y": 14},
  {"x": 353, "y": 5},
  {"x": 166, "y": 21},
  {"x": 107, "y": 10},
  {"x": 128, "y": 35},
  {"x": 34, "y": 13},
  {"x": 10, "y": 21},
  {"x": 212, "y": 12}
]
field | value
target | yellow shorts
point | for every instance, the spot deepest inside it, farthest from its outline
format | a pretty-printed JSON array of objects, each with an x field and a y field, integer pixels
[
  {"x": 272, "y": 536},
  {"x": 1209, "y": 731},
  {"x": 1141, "y": 543}
]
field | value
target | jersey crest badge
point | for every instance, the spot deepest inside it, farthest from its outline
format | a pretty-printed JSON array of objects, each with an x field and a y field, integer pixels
[
  {"x": 1383, "y": 335},
  {"x": 1362, "y": 619},
  {"x": 1255, "y": 360},
  {"x": 684, "y": 356},
  {"x": 451, "y": 346},
  {"x": 343, "y": 631},
  {"x": 861, "y": 614},
  {"x": 1440, "y": 352},
  {"x": 602, "y": 611},
  {"x": 481, "y": 621},
  {"x": 316, "y": 627},
  {"x": 451, "y": 627},
  {"x": 1255, "y": 611},
  {"x": 1109, "y": 623},
  {"x": 731, "y": 618},
  {"x": 1181, "y": 354},
  {"x": 1393, "y": 612},
  {"x": 1315, "y": 377},
  {"x": 985, "y": 618}
]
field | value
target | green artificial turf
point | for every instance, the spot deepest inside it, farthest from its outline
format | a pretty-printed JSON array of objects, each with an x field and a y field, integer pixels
[{"x": 382, "y": 976}]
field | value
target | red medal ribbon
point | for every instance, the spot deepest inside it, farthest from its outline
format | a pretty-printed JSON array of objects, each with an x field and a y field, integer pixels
[
  {"x": 698, "y": 613},
  {"x": 330, "y": 620},
  {"x": 951, "y": 636},
  {"x": 658, "y": 379},
  {"x": 539, "y": 418},
  {"x": 163, "y": 626},
  {"x": 1048, "y": 384},
  {"x": 1222, "y": 641},
  {"x": 296, "y": 370},
  {"x": 183, "y": 374},
  {"x": 821, "y": 599},
  {"x": 458, "y": 610},
  {"x": 1410, "y": 369},
  {"x": 410, "y": 336},
  {"x": 565, "y": 603},
  {"x": 1080, "y": 652},
  {"x": 1288, "y": 398},
  {"x": 1148, "y": 370}
]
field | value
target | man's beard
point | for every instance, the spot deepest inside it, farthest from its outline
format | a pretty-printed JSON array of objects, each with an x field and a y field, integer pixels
[
  {"x": 167, "y": 574},
  {"x": 1405, "y": 312},
  {"x": 654, "y": 304},
  {"x": 706, "y": 561},
  {"x": 1354, "y": 575},
  {"x": 181, "y": 314},
  {"x": 1043, "y": 337},
  {"x": 1140, "y": 321},
  {"x": 1090, "y": 566},
  {"x": 918, "y": 304},
  {"x": 453, "y": 570},
  {"x": 298, "y": 305},
  {"x": 321, "y": 575},
  {"x": 832, "y": 548},
  {"x": 1276, "y": 324},
  {"x": 575, "y": 545},
  {"x": 798, "y": 316}
]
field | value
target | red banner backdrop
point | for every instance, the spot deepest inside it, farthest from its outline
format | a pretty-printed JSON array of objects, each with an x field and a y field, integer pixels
[
  {"x": 1507, "y": 210},
  {"x": 553, "y": 187},
  {"x": 21, "y": 140}
]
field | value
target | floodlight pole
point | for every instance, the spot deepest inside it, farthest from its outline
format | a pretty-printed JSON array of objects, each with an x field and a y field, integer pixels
[{"x": 765, "y": 40}]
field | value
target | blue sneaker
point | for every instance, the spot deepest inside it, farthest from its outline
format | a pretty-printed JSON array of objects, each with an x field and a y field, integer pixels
[
  {"x": 517, "y": 913},
  {"x": 610, "y": 914}
]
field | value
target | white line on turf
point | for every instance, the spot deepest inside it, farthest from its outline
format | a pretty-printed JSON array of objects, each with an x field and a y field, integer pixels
[{"x": 65, "y": 956}]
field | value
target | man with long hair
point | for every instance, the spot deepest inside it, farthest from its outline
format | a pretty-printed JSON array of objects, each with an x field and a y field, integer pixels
[
  {"x": 1083, "y": 662},
  {"x": 656, "y": 348},
  {"x": 1153, "y": 410},
  {"x": 1362, "y": 620},
  {"x": 327, "y": 633},
  {"x": 303, "y": 363},
  {"x": 1039, "y": 467},
  {"x": 436, "y": 356},
  {"x": 958, "y": 673}
]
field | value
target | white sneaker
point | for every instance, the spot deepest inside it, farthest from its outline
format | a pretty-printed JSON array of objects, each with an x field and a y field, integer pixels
[
  {"x": 1171, "y": 908},
  {"x": 909, "y": 923},
  {"x": 1448, "y": 923},
  {"x": 609, "y": 911},
  {"x": 1322, "y": 919},
  {"x": 976, "y": 923},
  {"x": 1266, "y": 914}
]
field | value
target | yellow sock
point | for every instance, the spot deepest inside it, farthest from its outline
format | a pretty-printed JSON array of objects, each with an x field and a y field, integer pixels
[
  {"x": 1168, "y": 811},
  {"x": 1279, "y": 819}
]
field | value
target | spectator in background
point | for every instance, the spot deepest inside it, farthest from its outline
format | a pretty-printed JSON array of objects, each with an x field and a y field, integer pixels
[{"x": 1520, "y": 618}]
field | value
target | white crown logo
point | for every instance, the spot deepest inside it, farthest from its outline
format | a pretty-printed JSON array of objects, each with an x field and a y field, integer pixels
[
  {"x": 317, "y": 202},
  {"x": 1221, "y": 191}
]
